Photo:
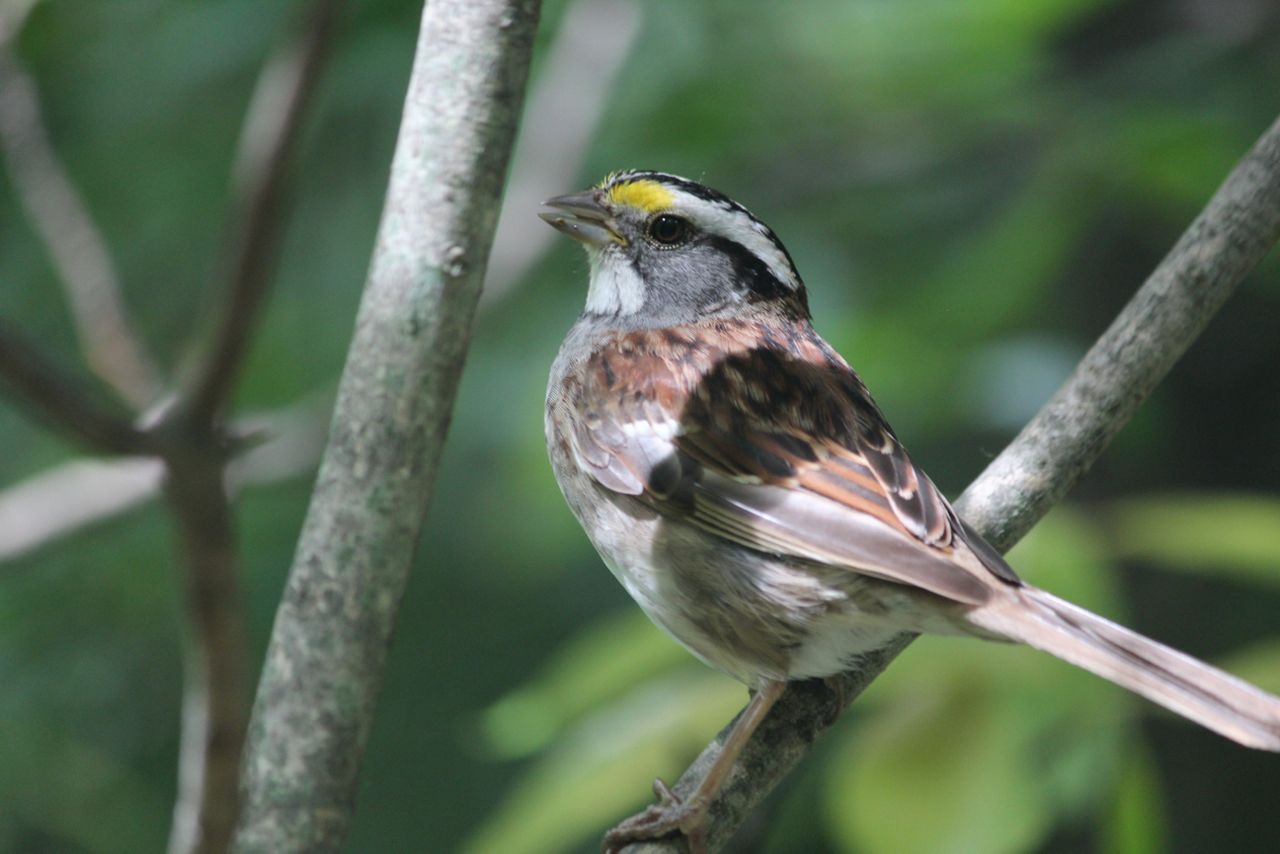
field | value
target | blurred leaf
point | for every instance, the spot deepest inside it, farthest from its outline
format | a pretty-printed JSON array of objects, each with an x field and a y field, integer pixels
[
  {"x": 930, "y": 51},
  {"x": 1009, "y": 727},
  {"x": 999, "y": 270},
  {"x": 1176, "y": 159},
  {"x": 1136, "y": 822},
  {"x": 77, "y": 792},
  {"x": 1011, "y": 378},
  {"x": 1258, "y": 663},
  {"x": 1023, "y": 244},
  {"x": 594, "y": 667},
  {"x": 601, "y": 768},
  {"x": 1067, "y": 554},
  {"x": 1236, "y": 535},
  {"x": 942, "y": 776}
]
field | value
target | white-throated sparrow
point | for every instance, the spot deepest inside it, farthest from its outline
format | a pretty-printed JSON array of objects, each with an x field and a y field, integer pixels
[{"x": 739, "y": 480}]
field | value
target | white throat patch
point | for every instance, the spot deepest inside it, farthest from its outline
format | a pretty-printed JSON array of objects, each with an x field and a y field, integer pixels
[{"x": 615, "y": 287}]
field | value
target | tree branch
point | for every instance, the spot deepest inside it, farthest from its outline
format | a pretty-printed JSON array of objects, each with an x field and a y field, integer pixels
[
  {"x": 61, "y": 219},
  {"x": 188, "y": 437},
  {"x": 267, "y": 142},
  {"x": 195, "y": 450},
  {"x": 72, "y": 495},
  {"x": 324, "y": 665},
  {"x": 215, "y": 701},
  {"x": 75, "y": 494},
  {"x": 591, "y": 44},
  {"x": 64, "y": 404},
  {"x": 593, "y": 41},
  {"x": 1228, "y": 238}
]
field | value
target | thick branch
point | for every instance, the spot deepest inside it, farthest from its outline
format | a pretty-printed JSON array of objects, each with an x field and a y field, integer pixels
[
  {"x": 64, "y": 404},
  {"x": 1173, "y": 306},
  {"x": 324, "y": 665},
  {"x": 61, "y": 219},
  {"x": 1228, "y": 238},
  {"x": 267, "y": 142}
]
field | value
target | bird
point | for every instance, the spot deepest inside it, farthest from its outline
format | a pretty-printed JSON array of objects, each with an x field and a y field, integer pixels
[{"x": 739, "y": 480}]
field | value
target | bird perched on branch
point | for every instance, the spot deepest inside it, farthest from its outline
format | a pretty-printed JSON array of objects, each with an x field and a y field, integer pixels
[{"x": 739, "y": 480}]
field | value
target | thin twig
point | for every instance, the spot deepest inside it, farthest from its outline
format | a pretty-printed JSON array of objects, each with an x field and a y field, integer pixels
[
  {"x": 71, "y": 496},
  {"x": 188, "y": 437},
  {"x": 215, "y": 702},
  {"x": 64, "y": 404},
  {"x": 1227, "y": 240},
  {"x": 581, "y": 62},
  {"x": 215, "y": 691},
  {"x": 74, "y": 242},
  {"x": 324, "y": 665},
  {"x": 270, "y": 134},
  {"x": 68, "y": 497}
]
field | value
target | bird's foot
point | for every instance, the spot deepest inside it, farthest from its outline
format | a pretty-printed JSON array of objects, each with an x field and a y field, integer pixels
[{"x": 669, "y": 815}]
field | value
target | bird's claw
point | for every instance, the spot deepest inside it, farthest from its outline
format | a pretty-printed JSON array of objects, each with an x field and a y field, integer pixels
[{"x": 669, "y": 815}]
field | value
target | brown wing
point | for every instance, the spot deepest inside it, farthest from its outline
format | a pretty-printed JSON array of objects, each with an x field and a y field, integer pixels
[{"x": 775, "y": 444}]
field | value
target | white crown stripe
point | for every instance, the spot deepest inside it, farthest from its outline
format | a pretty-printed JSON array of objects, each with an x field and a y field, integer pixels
[
  {"x": 737, "y": 224},
  {"x": 715, "y": 212}
]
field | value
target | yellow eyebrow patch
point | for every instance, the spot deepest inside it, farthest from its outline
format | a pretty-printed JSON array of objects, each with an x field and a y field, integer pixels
[{"x": 647, "y": 195}]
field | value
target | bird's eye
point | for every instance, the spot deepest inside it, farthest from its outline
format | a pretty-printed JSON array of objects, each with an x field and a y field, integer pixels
[{"x": 669, "y": 230}]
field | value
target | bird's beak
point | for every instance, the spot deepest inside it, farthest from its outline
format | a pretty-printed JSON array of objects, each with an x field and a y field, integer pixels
[{"x": 583, "y": 217}]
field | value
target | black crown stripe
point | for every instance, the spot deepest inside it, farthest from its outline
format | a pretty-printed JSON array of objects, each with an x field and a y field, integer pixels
[{"x": 707, "y": 194}]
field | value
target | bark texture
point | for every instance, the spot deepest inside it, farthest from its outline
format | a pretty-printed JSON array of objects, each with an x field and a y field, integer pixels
[{"x": 324, "y": 666}]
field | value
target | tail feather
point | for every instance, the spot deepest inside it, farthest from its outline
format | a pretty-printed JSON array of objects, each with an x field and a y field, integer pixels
[{"x": 1180, "y": 683}]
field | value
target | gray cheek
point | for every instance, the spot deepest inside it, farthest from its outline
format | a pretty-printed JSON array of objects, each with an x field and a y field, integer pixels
[{"x": 694, "y": 279}]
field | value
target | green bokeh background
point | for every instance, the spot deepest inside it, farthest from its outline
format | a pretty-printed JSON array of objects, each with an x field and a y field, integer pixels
[{"x": 971, "y": 191}]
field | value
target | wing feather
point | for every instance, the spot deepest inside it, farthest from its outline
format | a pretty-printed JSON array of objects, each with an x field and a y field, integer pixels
[{"x": 782, "y": 451}]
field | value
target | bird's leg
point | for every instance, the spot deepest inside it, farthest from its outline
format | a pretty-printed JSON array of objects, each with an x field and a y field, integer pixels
[{"x": 671, "y": 814}]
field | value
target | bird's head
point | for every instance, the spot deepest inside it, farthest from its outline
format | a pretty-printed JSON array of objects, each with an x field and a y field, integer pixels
[{"x": 665, "y": 250}]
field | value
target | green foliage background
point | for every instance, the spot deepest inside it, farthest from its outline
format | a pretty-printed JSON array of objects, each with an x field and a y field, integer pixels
[{"x": 971, "y": 191}]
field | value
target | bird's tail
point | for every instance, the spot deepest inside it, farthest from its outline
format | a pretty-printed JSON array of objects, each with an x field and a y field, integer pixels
[{"x": 1180, "y": 683}]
